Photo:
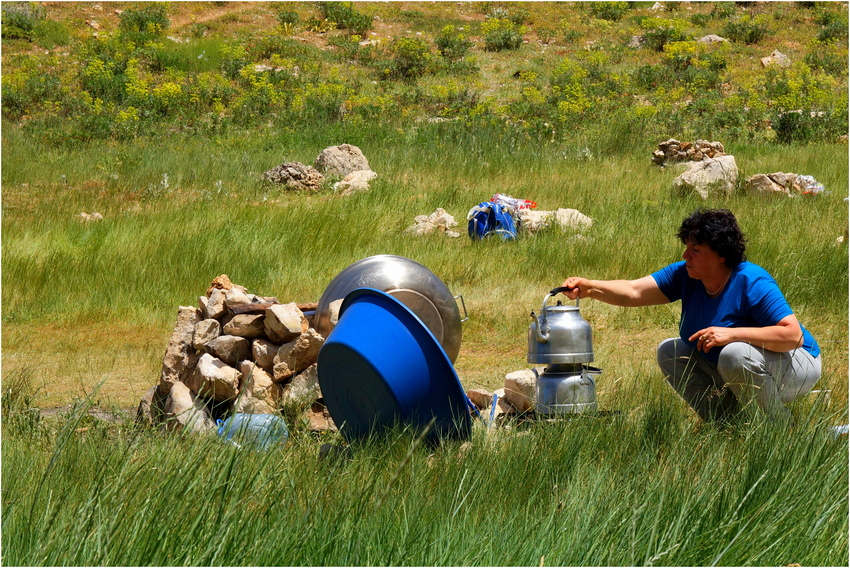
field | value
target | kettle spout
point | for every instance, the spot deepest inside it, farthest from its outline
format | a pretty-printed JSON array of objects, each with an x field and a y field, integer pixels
[{"x": 537, "y": 331}]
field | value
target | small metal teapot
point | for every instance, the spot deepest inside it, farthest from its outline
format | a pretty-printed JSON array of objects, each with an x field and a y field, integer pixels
[{"x": 559, "y": 335}]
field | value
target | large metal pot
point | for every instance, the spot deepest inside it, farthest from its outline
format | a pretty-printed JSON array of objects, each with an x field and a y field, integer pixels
[
  {"x": 568, "y": 388},
  {"x": 407, "y": 281}
]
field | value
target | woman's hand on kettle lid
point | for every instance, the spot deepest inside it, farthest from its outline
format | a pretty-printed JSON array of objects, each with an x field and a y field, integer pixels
[{"x": 578, "y": 287}]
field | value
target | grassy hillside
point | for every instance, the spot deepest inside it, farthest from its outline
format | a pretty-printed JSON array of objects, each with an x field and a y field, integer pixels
[{"x": 566, "y": 70}]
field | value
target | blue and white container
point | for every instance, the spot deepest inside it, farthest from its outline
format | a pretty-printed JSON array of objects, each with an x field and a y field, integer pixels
[{"x": 254, "y": 431}]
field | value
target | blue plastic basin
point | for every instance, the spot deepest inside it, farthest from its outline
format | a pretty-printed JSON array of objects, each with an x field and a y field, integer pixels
[{"x": 381, "y": 365}]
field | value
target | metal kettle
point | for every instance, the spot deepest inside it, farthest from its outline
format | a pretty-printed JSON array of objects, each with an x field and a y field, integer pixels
[{"x": 559, "y": 335}]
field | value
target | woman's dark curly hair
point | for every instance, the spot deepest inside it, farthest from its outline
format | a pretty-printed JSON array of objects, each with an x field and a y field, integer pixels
[{"x": 718, "y": 229}]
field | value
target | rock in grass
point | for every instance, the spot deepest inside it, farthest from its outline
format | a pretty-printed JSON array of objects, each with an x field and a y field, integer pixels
[
  {"x": 151, "y": 408},
  {"x": 712, "y": 177},
  {"x": 178, "y": 361},
  {"x": 184, "y": 411},
  {"x": 214, "y": 379},
  {"x": 295, "y": 176},
  {"x": 319, "y": 419},
  {"x": 339, "y": 161},
  {"x": 533, "y": 221},
  {"x": 437, "y": 222},
  {"x": 519, "y": 389},
  {"x": 482, "y": 398},
  {"x": 302, "y": 391},
  {"x": 776, "y": 58},
  {"x": 764, "y": 184},
  {"x": 355, "y": 182}
]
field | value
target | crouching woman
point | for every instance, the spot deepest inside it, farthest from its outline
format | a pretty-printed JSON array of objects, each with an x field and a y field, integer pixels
[{"x": 739, "y": 341}]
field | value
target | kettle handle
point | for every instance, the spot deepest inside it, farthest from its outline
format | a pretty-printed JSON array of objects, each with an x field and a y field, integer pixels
[{"x": 558, "y": 290}]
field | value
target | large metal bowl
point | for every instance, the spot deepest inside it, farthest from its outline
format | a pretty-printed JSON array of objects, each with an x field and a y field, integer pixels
[{"x": 405, "y": 280}]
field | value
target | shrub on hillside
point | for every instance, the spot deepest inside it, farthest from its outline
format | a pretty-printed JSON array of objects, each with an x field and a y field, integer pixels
[
  {"x": 143, "y": 24},
  {"x": 827, "y": 57},
  {"x": 26, "y": 86},
  {"x": 834, "y": 30},
  {"x": 694, "y": 64},
  {"x": 289, "y": 17},
  {"x": 723, "y": 10},
  {"x": 806, "y": 105},
  {"x": 660, "y": 31},
  {"x": 700, "y": 20},
  {"x": 501, "y": 34},
  {"x": 452, "y": 44},
  {"x": 20, "y": 19},
  {"x": 746, "y": 30},
  {"x": 410, "y": 58},
  {"x": 233, "y": 59},
  {"x": 104, "y": 80},
  {"x": 25, "y": 20},
  {"x": 569, "y": 89},
  {"x": 612, "y": 11},
  {"x": 50, "y": 33},
  {"x": 651, "y": 77},
  {"x": 807, "y": 126},
  {"x": 345, "y": 17}
]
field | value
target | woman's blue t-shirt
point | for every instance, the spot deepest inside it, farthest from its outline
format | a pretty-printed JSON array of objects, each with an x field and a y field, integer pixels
[{"x": 751, "y": 298}]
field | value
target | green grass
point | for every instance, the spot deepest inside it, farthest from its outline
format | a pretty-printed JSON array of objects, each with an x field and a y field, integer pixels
[
  {"x": 642, "y": 488},
  {"x": 160, "y": 244}
]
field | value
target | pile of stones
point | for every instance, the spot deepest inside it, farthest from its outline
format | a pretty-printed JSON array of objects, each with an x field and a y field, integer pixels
[
  {"x": 237, "y": 352},
  {"x": 674, "y": 151},
  {"x": 344, "y": 162}
]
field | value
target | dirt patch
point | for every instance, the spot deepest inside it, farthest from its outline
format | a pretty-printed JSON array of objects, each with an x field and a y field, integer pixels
[{"x": 114, "y": 416}]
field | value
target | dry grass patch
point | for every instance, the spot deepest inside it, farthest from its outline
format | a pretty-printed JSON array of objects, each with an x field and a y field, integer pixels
[{"x": 71, "y": 361}]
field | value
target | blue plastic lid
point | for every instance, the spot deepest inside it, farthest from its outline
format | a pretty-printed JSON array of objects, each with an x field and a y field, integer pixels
[{"x": 381, "y": 364}]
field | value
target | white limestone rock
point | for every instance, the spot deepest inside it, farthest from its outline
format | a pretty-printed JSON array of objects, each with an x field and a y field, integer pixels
[
  {"x": 249, "y": 326},
  {"x": 341, "y": 160},
  {"x": 712, "y": 177},
  {"x": 263, "y": 352},
  {"x": 284, "y": 322},
  {"x": 214, "y": 379},
  {"x": 295, "y": 356},
  {"x": 205, "y": 331},
  {"x": 303, "y": 390},
  {"x": 185, "y": 412},
  {"x": 519, "y": 389},
  {"x": 178, "y": 361},
  {"x": 229, "y": 348}
]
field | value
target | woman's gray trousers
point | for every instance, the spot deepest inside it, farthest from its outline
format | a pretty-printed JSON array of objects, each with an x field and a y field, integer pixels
[{"x": 744, "y": 375}]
